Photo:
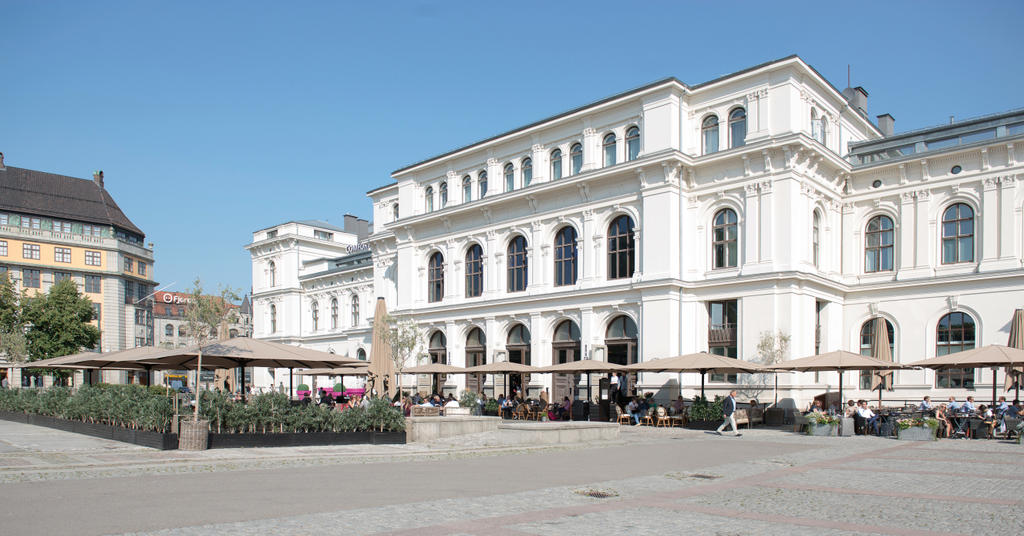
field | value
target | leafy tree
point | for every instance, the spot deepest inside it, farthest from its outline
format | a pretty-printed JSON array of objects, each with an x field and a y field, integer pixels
[
  {"x": 59, "y": 322},
  {"x": 12, "y": 327},
  {"x": 206, "y": 316},
  {"x": 771, "y": 349},
  {"x": 404, "y": 337}
]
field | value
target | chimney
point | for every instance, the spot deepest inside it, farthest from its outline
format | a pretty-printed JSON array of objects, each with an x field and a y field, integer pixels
[
  {"x": 351, "y": 224},
  {"x": 2, "y": 167},
  {"x": 858, "y": 98},
  {"x": 364, "y": 228},
  {"x": 98, "y": 177},
  {"x": 887, "y": 125}
]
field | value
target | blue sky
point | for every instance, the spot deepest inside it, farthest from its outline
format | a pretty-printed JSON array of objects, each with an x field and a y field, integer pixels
[{"x": 214, "y": 119}]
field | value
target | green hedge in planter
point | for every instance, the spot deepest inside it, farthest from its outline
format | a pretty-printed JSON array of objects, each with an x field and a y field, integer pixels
[
  {"x": 702, "y": 410},
  {"x": 128, "y": 406}
]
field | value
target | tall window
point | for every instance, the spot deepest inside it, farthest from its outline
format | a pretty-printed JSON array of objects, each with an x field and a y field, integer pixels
[
  {"x": 819, "y": 127},
  {"x": 722, "y": 328},
  {"x": 621, "y": 246},
  {"x": 957, "y": 234},
  {"x": 467, "y": 189},
  {"x": 955, "y": 333},
  {"x": 334, "y": 313},
  {"x": 435, "y": 278},
  {"x": 609, "y": 150},
  {"x": 737, "y": 127},
  {"x": 556, "y": 164},
  {"x": 444, "y": 194},
  {"x": 565, "y": 256},
  {"x": 510, "y": 177},
  {"x": 527, "y": 171},
  {"x": 482, "y": 179},
  {"x": 394, "y": 212},
  {"x": 272, "y": 273},
  {"x": 724, "y": 250},
  {"x": 474, "y": 271},
  {"x": 632, "y": 143},
  {"x": 709, "y": 134},
  {"x": 517, "y": 264},
  {"x": 64, "y": 255},
  {"x": 867, "y": 346},
  {"x": 878, "y": 248},
  {"x": 30, "y": 279},
  {"x": 576, "y": 159},
  {"x": 815, "y": 238},
  {"x": 30, "y": 251},
  {"x": 169, "y": 330},
  {"x": 428, "y": 199},
  {"x": 273, "y": 321},
  {"x": 315, "y": 314},
  {"x": 355, "y": 311}
]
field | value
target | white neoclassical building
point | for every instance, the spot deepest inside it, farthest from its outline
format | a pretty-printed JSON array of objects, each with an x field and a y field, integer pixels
[{"x": 672, "y": 219}]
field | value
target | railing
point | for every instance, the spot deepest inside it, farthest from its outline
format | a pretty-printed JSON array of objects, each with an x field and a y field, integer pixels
[
  {"x": 719, "y": 334},
  {"x": 52, "y": 235}
]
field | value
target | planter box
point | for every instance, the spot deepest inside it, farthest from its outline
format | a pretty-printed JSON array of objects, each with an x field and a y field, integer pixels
[
  {"x": 308, "y": 439},
  {"x": 774, "y": 417},
  {"x": 706, "y": 425},
  {"x": 821, "y": 429},
  {"x": 145, "y": 438},
  {"x": 916, "y": 433}
]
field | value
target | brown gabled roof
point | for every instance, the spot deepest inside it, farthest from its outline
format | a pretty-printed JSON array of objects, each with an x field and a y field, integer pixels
[{"x": 57, "y": 196}]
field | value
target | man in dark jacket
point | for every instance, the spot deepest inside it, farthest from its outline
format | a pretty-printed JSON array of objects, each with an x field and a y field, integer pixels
[{"x": 729, "y": 409}]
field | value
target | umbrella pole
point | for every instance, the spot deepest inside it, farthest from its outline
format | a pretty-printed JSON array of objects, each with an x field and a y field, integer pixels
[
  {"x": 702, "y": 385},
  {"x": 588, "y": 396},
  {"x": 289, "y": 383},
  {"x": 994, "y": 369},
  {"x": 777, "y": 387},
  {"x": 241, "y": 384},
  {"x": 840, "y": 389}
]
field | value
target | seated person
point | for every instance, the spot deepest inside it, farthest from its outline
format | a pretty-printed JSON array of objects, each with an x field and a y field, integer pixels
[
  {"x": 1013, "y": 410},
  {"x": 967, "y": 407},
  {"x": 566, "y": 412},
  {"x": 451, "y": 403},
  {"x": 1001, "y": 407},
  {"x": 944, "y": 424},
  {"x": 634, "y": 410},
  {"x": 926, "y": 404},
  {"x": 988, "y": 419},
  {"x": 815, "y": 407},
  {"x": 870, "y": 420},
  {"x": 677, "y": 406},
  {"x": 851, "y": 409}
]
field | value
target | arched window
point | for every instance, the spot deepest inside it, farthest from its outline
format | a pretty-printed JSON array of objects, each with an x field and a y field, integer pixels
[
  {"x": 314, "y": 309},
  {"x": 444, "y": 194},
  {"x": 621, "y": 247},
  {"x": 438, "y": 348},
  {"x": 334, "y": 313},
  {"x": 724, "y": 250},
  {"x": 957, "y": 234},
  {"x": 355, "y": 311},
  {"x": 510, "y": 177},
  {"x": 823, "y": 131},
  {"x": 737, "y": 127},
  {"x": 428, "y": 199},
  {"x": 878, "y": 244},
  {"x": 435, "y": 278},
  {"x": 709, "y": 134},
  {"x": 815, "y": 238},
  {"x": 474, "y": 271},
  {"x": 556, "y": 164},
  {"x": 632, "y": 143},
  {"x": 182, "y": 332},
  {"x": 565, "y": 256},
  {"x": 818, "y": 126},
  {"x": 273, "y": 321},
  {"x": 621, "y": 340},
  {"x": 868, "y": 339},
  {"x": 955, "y": 333},
  {"x": 169, "y": 330},
  {"x": 394, "y": 212},
  {"x": 467, "y": 189},
  {"x": 576, "y": 159},
  {"x": 272, "y": 273},
  {"x": 482, "y": 179},
  {"x": 609, "y": 150},
  {"x": 518, "y": 346},
  {"x": 517, "y": 264},
  {"x": 361, "y": 354},
  {"x": 527, "y": 171}
]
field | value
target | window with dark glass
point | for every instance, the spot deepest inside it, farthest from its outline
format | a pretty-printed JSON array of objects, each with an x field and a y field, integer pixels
[
  {"x": 273, "y": 322},
  {"x": 722, "y": 329},
  {"x": 737, "y": 127},
  {"x": 30, "y": 278},
  {"x": 128, "y": 264},
  {"x": 467, "y": 189},
  {"x": 565, "y": 256},
  {"x": 482, "y": 179},
  {"x": 435, "y": 278},
  {"x": 92, "y": 283},
  {"x": 428, "y": 199},
  {"x": 510, "y": 177},
  {"x": 527, "y": 171},
  {"x": 556, "y": 164},
  {"x": 815, "y": 237},
  {"x": 315, "y": 315},
  {"x": 394, "y": 212},
  {"x": 709, "y": 134},
  {"x": 621, "y": 248},
  {"x": 272, "y": 273},
  {"x": 955, "y": 333},
  {"x": 957, "y": 234},
  {"x": 474, "y": 271},
  {"x": 724, "y": 248},
  {"x": 60, "y": 276},
  {"x": 576, "y": 159},
  {"x": 878, "y": 248},
  {"x": 517, "y": 264},
  {"x": 443, "y": 192},
  {"x": 355, "y": 310},
  {"x": 169, "y": 330},
  {"x": 334, "y": 313},
  {"x": 632, "y": 143},
  {"x": 609, "y": 150}
]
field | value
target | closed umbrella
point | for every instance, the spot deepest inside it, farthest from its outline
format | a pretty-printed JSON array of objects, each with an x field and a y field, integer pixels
[
  {"x": 838, "y": 360},
  {"x": 1013, "y": 374},
  {"x": 382, "y": 366},
  {"x": 993, "y": 355},
  {"x": 701, "y": 362},
  {"x": 880, "y": 350}
]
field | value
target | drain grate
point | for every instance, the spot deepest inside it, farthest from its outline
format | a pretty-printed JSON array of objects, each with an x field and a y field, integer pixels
[
  {"x": 703, "y": 476},
  {"x": 597, "y": 493}
]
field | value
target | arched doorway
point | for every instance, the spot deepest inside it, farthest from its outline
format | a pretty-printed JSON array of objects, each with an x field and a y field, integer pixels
[
  {"x": 518, "y": 347},
  {"x": 437, "y": 348},
  {"x": 565, "y": 348},
  {"x": 476, "y": 354},
  {"x": 621, "y": 340}
]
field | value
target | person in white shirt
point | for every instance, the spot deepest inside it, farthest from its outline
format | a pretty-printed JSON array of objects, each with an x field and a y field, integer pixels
[
  {"x": 870, "y": 419},
  {"x": 451, "y": 403}
]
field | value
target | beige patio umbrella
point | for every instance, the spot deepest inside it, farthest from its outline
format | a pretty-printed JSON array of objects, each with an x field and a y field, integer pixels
[
  {"x": 993, "y": 355},
  {"x": 880, "y": 351},
  {"x": 701, "y": 362},
  {"x": 1013, "y": 374},
  {"x": 435, "y": 369},
  {"x": 838, "y": 360},
  {"x": 382, "y": 366}
]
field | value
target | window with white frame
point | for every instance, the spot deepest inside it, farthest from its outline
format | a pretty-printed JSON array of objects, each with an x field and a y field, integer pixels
[
  {"x": 632, "y": 143},
  {"x": 609, "y": 149},
  {"x": 93, "y": 258},
  {"x": 556, "y": 164},
  {"x": 62, "y": 255},
  {"x": 737, "y": 127},
  {"x": 709, "y": 135}
]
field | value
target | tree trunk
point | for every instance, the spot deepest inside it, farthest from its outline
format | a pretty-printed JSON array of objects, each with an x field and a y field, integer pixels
[{"x": 199, "y": 372}]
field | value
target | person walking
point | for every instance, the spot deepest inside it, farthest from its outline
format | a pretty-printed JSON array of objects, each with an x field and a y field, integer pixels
[{"x": 729, "y": 409}]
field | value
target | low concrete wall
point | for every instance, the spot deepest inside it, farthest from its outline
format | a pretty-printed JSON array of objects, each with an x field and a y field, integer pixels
[
  {"x": 555, "y": 433},
  {"x": 419, "y": 429}
]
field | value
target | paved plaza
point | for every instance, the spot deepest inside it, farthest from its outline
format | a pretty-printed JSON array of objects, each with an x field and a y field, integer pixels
[{"x": 650, "y": 481}]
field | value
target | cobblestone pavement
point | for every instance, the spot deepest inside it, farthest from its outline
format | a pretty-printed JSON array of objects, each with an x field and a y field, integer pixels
[{"x": 651, "y": 481}]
